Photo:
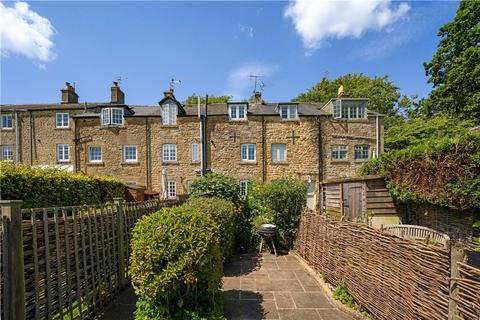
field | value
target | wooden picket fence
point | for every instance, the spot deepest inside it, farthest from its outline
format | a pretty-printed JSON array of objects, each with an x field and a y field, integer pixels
[
  {"x": 392, "y": 277},
  {"x": 66, "y": 262}
]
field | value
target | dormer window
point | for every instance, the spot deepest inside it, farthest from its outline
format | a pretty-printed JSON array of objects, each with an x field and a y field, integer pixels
[
  {"x": 348, "y": 109},
  {"x": 112, "y": 116},
  {"x": 169, "y": 113},
  {"x": 288, "y": 112},
  {"x": 237, "y": 111}
]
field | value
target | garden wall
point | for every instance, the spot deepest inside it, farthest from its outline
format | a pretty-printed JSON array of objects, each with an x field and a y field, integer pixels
[{"x": 393, "y": 278}]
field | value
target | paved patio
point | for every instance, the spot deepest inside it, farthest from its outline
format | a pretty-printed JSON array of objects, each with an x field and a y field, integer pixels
[{"x": 269, "y": 287}]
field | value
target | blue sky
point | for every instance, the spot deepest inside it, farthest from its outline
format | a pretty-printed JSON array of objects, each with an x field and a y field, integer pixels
[{"x": 211, "y": 47}]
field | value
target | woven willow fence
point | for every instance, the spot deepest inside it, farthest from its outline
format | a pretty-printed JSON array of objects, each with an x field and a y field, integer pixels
[
  {"x": 74, "y": 258},
  {"x": 393, "y": 278}
]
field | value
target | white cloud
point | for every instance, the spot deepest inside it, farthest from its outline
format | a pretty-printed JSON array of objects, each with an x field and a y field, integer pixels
[
  {"x": 23, "y": 31},
  {"x": 317, "y": 21},
  {"x": 247, "y": 29},
  {"x": 240, "y": 84}
]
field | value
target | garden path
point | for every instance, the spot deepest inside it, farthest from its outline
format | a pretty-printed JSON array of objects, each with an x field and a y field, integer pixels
[{"x": 268, "y": 287}]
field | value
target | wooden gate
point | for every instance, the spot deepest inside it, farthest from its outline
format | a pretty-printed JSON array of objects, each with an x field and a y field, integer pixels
[{"x": 353, "y": 200}]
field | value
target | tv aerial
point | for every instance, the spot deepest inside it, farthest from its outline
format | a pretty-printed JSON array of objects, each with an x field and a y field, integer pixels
[
  {"x": 174, "y": 83},
  {"x": 255, "y": 77},
  {"x": 120, "y": 79}
]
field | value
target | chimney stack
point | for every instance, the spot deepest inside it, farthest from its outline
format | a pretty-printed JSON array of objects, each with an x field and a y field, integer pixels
[
  {"x": 258, "y": 97},
  {"x": 341, "y": 92},
  {"x": 169, "y": 94},
  {"x": 118, "y": 97},
  {"x": 68, "y": 94}
]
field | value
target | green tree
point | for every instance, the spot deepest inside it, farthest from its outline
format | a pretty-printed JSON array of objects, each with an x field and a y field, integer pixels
[
  {"x": 211, "y": 99},
  {"x": 454, "y": 70},
  {"x": 384, "y": 96}
]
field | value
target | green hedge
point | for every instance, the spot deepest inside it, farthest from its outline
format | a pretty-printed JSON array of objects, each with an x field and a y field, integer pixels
[
  {"x": 225, "y": 214},
  {"x": 176, "y": 265},
  {"x": 216, "y": 185},
  {"x": 53, "y": 187}
]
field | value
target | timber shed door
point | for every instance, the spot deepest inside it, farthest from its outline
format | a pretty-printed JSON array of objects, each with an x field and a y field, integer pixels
[{"x": 353, "y": 200}]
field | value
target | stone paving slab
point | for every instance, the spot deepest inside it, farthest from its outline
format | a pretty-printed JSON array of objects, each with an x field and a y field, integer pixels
[{"x": 268, "y": 287}]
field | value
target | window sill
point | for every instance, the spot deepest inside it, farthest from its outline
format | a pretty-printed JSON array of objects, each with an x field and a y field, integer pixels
[
  {"x": 64, "y": 162},
  {"x": 195, "y": 162},
  {"x": 361, "y": 160},
  {"x": 172, "y": 163},
  {"x": 173, "y": 126},
  {"x": 238, "y": 120},
  {"x": 113, "y": 126},
  {"x": 248, "y": 162},
  {"x": 280, "y": 163},
  {"x": 95, "y": 164},
  {"x": 357, "y": 120},
  {"x": 6, "y": 129},
  {"x": 290, "y": 120},
  {"x": 339, "y": 161},
  {"x": 62, "y": 128},
  {"x": 130, "y": 163}
]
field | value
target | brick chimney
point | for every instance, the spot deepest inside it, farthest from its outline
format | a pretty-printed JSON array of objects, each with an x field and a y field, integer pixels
[
  {"x": 169, "y": 94},
  {"x": 68, "y": 94},
  {"x": 118, "y": 97},
  {"x": 257, "y": 97},
  {"x": 341, "y": 92}
]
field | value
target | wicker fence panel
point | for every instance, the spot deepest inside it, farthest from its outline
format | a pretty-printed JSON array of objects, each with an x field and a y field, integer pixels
[
  {"x": 71, "y": 257},
  {"x": 393, "y": 278},
  {"x": 468, "y": 299}
]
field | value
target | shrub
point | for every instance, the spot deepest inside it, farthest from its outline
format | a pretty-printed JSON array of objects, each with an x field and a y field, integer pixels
[
  {"x": 53, "y": 187},
  {"x": 176, "y": 264},
  {"x": 225, "y": 214},
  {"x": 280, "y": 201},
  {"x": 216, "y": 185}
]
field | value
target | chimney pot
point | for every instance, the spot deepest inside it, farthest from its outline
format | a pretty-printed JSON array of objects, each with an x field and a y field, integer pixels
[
  {"x": 258, "y": 97},
  {"x": 117, "y": 97},
  {"x": 68, "y": 94},
  {"x": 169, "y": 94}
]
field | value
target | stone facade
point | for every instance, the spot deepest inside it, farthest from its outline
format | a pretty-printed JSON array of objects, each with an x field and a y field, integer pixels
[{"x": 307, "y": 139}]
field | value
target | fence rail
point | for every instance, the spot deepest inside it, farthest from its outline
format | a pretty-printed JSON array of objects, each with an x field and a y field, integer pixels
[
  {"x": 73, "y": 259},
  {"x": 394, "y": 278}
]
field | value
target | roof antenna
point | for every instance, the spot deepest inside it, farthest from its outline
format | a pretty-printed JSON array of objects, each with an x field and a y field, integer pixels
[
  {"x": 256, "y": 77},
  {"x": 120, "y": 79},
  {"x": 173, "y": 83}
]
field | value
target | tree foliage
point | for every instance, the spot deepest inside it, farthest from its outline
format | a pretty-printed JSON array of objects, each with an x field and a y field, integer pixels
[
  {"x": 193, "y": 99},
  {"x": 454, "y": 70},
  {"x": 384, "y": 96}
]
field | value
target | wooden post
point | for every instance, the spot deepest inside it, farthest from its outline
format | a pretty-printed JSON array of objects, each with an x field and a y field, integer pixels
[
  {"x": 13, "y": 264},
  {"x": 122, "y": 266},
  {"x": 456, "y": 255}
]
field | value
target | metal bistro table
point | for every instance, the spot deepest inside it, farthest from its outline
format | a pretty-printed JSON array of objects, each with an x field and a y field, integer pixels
[{"x": 267, "y": 231}]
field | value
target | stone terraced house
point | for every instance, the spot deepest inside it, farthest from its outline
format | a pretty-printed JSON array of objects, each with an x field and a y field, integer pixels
[{"x": 160, "y": 146}]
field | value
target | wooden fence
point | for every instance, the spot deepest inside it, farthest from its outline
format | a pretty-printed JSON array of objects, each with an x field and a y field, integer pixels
[
  {"x": 393, "y": 278},
  {"x": 67, "y": 262}
]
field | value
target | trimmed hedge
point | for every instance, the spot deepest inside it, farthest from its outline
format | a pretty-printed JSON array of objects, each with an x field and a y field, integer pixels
[
  {"x": 176, "y": 265},
  {"x": 225, "y": 214},
  {"x": 216, "y": 185},
  {"x": 53, "y": 187}
]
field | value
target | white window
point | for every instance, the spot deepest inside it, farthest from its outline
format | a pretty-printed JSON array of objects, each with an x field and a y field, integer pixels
[
  {"x": 95, "y": 154},
  {"x": 130, "y": 153},
  {"x": 244, "y": 188},
  {"x": 7, "y": 152},
  {"x": 339, "y": 152},
  {"x": 7, "y": 121},
  {"x": 61, "y": 120},
  {"x": 362, "y": 152},
  {"x": 169, "y": 152},
  {"x": 195, "y": 152},
  {"x": 279, "y": 152},
  {"x": 112, "y": 116},
  {"x": 171, "y": 188},
  {"x": 63, "y": 153},
  {"x": 237, "y": 111},
  {"x": 288, "y": 112},
  {"x": 348, "y": 109},
  {"x": 169, "y": 114},
  {"x": 337, "y": 109},
  {"x": 248, "y": 152}
]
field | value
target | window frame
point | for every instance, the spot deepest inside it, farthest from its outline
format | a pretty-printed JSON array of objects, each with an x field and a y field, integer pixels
[
  {"x": 195, "y": 148},
  {"x": 247, "y": 159},
  {"x": 67, "y": 153},
  {"x": 125, "y": 153},
  {"x": 90, "y": 160},
  {"x": 60, "y": 125},
  {"x": 274, "y": 153},
  {"x": 107, "y": 117},
  {"x": 169, "y": 114},
  {"x": 291, "y": 111},
  {"x": 339, "y": 152},
  {"x": 171, "y": 183},
  {"x": 234, "y": 111},
  {"x": 244, "y": 188},
  {"x": 3, "y": 148},
  {"x": 2, "y": 122},
  {"x": 169, "y": 155},
  {"x": 363, "y": 152},
  {"x": 346, "y": 112}
]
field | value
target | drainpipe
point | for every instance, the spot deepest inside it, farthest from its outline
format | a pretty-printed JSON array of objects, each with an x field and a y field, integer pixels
[
  {"x": 377, "y": 136},
  {"x": 149, "y": 153},
  {"x": 76, "y": 140},
  {"x": 320, "y": 163},
  {"x": 264, "y": 149},
  {"x": 200, "y": 126},
  {"x": 17, "y": 138},
  {"x": 205, "y": 144},
  {"x": 31, "y": 136}
]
